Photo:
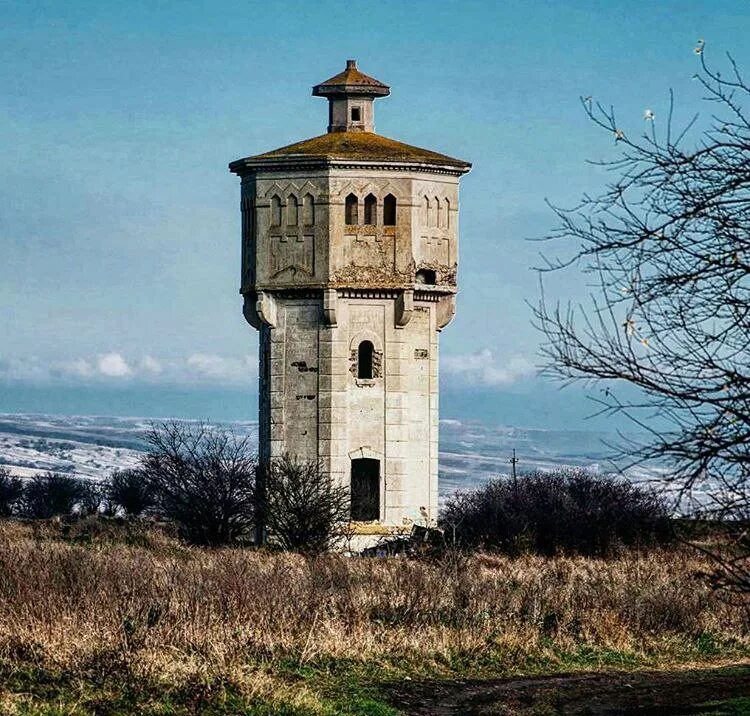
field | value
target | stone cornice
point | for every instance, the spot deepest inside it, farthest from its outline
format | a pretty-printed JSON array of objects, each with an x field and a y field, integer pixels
[{"x": 249, "y": 166}]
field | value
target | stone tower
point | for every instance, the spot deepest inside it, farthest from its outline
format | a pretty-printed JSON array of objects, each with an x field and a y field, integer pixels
[{"x": 349, "y": 258}]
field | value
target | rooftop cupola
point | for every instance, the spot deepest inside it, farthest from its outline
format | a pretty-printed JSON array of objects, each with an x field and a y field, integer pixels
[{"x": 350, "y": 97}]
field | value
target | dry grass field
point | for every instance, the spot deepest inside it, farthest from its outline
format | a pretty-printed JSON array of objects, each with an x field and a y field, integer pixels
[{"x": 101, "y": 618}]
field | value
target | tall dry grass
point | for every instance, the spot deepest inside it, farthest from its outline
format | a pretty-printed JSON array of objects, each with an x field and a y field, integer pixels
[{"x": 170, "y": 610}]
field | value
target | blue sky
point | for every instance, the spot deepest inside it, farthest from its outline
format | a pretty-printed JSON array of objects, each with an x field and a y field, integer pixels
[{"x": 119, "y": 222}]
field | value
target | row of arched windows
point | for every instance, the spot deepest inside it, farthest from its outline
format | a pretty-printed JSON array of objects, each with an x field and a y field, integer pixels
[
  {"x": 370, "y": 206},
  {"x": 296, "y": 210},
  {"x": 436, "y": 213}
]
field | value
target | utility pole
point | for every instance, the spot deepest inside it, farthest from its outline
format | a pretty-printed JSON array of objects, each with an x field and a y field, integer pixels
[{"x": 513, "y": 461}]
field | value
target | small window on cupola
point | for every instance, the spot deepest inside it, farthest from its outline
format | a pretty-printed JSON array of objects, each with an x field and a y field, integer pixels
[{"x": 356, "y": 114}]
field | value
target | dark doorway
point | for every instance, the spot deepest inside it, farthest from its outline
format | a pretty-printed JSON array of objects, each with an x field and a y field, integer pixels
[{"x": 365, "y": 490}]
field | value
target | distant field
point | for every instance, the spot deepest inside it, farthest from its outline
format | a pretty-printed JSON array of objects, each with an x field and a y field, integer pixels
[
  {"x": 470, "y": 452},
  {"x": 103, "y": 617}
]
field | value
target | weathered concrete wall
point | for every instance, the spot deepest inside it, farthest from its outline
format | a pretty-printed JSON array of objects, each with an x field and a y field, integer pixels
[
  {"x": 281, "y": 249},
  {"x": 317, "y": 287}
]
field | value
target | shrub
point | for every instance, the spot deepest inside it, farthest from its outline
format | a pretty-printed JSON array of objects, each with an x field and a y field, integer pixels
[
  {"x": 51, "y": 494},
  {"x": 91, "y": 495},
  {"x": 131, "y": 491},
  {"x": 300, "y": 506},
  {"x": 202, "y": 478},
  {"x": 569, "y": 511},
  {"x": 11, "y": 491}
]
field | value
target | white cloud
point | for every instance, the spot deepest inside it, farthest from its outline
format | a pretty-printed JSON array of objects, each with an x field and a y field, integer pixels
[
  {"x": 29, "y": 369},
  {"x": 149, "y": 364},
  {"x": 220, "y": 368},
  {"x": 195, "y": 368},
  {"x": 113, "y": 365},
  {"x": 79, "y": 367},
  {"x": 483, "y": 368}
]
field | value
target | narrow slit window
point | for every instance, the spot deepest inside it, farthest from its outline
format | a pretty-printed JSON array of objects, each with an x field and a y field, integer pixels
[
  {"x": 389, "y": 210},
  {"x": 371, "y": 209},
  {"x": 365, "y": 490},
  {"x": 275, "y": 211},
  {"x": 364, "y": 359},
  {"x": 292, "y": 211},
  {"x": 352, "y": 218},
  {"x": 308, "y": 210}
]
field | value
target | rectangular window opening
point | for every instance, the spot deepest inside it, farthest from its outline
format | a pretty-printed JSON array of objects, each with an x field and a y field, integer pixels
[{"x": 356, "y": 116}]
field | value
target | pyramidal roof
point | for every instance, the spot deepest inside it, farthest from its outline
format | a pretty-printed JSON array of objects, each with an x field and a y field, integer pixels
[
  {"x": 351, "y": 81},
  {"x": 362, "y": 146}
]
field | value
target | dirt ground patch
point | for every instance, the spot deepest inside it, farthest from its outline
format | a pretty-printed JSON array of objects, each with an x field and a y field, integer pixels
[{"x": 673, "y": 693}]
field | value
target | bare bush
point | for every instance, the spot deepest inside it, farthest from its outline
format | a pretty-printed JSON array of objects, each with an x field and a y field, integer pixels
[
  {"x": 302, "y": 508},
  {"x": 11, "y": 492},
  {"x": 202, "y": 477},
  {"x": 131, "y": 491},
  {"x": 568, "y": 511},
  {"x": 90, "y": 497},
  {"x": 51, "y": 494}
]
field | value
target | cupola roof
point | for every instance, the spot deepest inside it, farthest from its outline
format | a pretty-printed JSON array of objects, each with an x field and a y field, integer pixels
[{"x": 351, "y": 82}]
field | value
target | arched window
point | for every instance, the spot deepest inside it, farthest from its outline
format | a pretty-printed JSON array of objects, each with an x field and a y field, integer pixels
[
  {"x": 292, "y": 211},
  {"x": 426, "y": 211},
  {"x": 352, "y": 217},
  {"x": 425, "y": 277},
  {"x": 364, "y": 359},
  {"x": 389, "y": 210},
  {"x": 447, "y": 214},
  {"x": 436, "y": 213},
  {"x": 371, "y": 210},
  {"x": 308, "y": 210}
]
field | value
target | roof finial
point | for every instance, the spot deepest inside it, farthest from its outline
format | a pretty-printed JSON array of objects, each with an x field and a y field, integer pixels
[{"x": 351, "y": 64}]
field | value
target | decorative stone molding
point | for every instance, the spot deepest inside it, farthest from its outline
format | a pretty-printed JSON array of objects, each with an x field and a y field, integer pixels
[
  {"x": 259, "y": 308},
  {"x": 330, "y": 299},
  {"x": 446, "y": 309},
  {"x": 377, "y": 366},
  {"x": 365, "y": 451},
  {"x": 404, "y": 308}
]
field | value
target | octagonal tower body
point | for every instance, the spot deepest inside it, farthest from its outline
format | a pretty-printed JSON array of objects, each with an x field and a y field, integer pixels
[{"x": 349, "y": 260}]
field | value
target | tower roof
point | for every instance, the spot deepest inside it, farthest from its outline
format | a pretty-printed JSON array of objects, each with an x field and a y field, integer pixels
[
  {"x": 357, "y": 146},
  {"x": 351, "y": 82},
  {"x": 351, "y": 137}
]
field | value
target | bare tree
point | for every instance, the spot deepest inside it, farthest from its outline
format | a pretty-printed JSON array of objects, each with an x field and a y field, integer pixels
[
  {"x": 302, "y": 508},
  {"x": 667, "y": 245},
  {"x": 202, "y": 477}
]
